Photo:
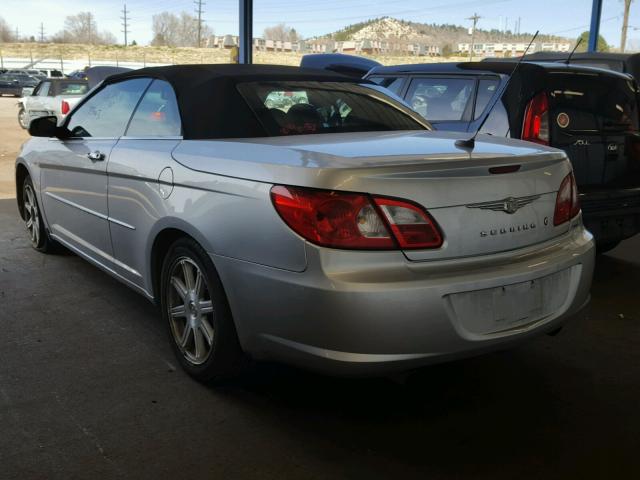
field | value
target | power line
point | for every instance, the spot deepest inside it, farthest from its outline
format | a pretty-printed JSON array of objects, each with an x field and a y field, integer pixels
[
  {"x": 199, "y": 11},
  {"x": 125, "y": 23}
]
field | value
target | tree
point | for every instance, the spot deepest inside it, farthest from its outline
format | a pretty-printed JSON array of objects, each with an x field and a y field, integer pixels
[
  {"x": 134, "y": 43},
  {"x": 603, "y": 46},
  {"x": 82, "y": 28},
  {"x": 447, "y": 50},
  {"x": 282, "y": 33},
  {"x": 172, "y": 30},
  {"x": 6, "y": 34}
]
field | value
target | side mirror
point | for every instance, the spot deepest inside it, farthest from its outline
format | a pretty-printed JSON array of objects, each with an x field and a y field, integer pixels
[{"x": 45, "y": 127}]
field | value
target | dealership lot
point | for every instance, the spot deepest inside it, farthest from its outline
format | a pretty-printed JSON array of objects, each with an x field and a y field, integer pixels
[
  {"x": 88, "y": 383},
  {"x": 89, "y": 386}
]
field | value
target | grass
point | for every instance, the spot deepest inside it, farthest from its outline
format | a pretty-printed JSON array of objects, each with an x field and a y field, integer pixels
[{"x": 96, "y": 53}]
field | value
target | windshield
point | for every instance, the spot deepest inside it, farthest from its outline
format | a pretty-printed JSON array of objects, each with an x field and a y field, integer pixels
[{"x": 294, "y": 108}]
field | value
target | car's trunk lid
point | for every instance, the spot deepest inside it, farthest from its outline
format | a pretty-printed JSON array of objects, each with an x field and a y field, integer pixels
[{"x": 498, "y": 197}]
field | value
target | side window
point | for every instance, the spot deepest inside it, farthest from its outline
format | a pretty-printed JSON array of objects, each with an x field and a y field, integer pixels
[
  {"x": 107, "y": 112},
  {"x": 497, "y": 122},
  {"x": 45, "y": 89},
  {"x": 392, "y": 83},
  {"x": 42, "y": 90},
  {"x": 440, "y": 98},
  {"x": 158, "y": 114},
  {"x": 486, "y": 89}
]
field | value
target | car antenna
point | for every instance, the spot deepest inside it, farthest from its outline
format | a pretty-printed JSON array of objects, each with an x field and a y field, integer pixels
[
  {"x": 470, "y": 143},
  {"x": 566, "y": 62}
]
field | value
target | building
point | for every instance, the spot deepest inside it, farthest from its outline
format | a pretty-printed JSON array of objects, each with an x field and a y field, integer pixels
[{"x": 515, "y": 49}]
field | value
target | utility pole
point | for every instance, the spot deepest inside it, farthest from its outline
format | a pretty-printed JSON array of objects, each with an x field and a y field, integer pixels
[
  {"x": 625, "y": 24},
  {"x": 475, "y": 19},
  {"x": 41, "y": 32},
  {"x": 125, "y": 23},
  {"x": 199, "y": 11},
  {"x": 89, "y": 27},
  {"x": 17, "y": 35}
]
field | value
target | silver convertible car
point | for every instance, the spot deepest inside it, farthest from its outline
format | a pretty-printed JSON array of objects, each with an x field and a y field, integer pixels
[{"x": 335, "y": 232}]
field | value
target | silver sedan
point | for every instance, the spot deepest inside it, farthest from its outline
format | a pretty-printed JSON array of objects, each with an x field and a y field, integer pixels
[{"x": 335, "y": 231}]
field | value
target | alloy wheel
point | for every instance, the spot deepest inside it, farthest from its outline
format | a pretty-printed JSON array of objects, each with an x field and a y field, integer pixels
[
  {"x": 22, "y": 118},
  {"x": 31, "y": 214},
  {"x": 190, "y": 310}
]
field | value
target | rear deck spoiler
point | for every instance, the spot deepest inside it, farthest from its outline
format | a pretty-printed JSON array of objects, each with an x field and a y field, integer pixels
[{"x": 349, "y": 65}]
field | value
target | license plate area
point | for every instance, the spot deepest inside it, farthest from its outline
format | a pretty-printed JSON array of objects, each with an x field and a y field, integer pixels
[{"x": 513, "y": 306}]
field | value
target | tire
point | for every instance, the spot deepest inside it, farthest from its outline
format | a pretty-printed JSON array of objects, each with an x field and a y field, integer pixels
[
  {"x": 196, "y": 311},
  {"x": 22, "y": 118},
  {"x": 604, "y": 247},
  {"x": 33, "y": 219}
]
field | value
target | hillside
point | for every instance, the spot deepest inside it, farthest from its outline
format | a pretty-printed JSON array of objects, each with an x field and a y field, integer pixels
[{"x": 386, "y": 28}]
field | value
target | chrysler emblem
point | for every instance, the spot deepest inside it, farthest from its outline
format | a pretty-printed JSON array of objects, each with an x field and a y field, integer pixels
[{"x": 508, "y": 205}]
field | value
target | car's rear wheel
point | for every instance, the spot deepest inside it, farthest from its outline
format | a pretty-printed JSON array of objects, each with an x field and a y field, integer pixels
[
  {"x": 196, "y": 310},
  {"x": 22, "y": 118},
  {"x": 33, "y": 218}
]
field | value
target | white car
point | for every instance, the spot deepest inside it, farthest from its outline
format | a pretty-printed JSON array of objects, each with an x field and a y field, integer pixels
[{"x": 51, "y": 97}]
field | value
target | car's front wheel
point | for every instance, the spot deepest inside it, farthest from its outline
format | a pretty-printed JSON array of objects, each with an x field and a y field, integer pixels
[
  {"x": 33, "y": 218},
  {"x": 22, "y": 118},
  {"x": 195, "y": 307}
]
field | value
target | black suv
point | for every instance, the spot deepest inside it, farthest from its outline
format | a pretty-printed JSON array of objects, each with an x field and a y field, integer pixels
[{"x": 590, "y": 113}]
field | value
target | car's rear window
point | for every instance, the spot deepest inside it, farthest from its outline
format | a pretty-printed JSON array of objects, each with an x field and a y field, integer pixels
[
  {"x": 593, "y": 102},
  {"x": 311, "y": 107},
  {"x": 69, "y": 88}
]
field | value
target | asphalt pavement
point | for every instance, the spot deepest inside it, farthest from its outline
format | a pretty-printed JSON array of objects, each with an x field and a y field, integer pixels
[{"x": 89, "y": 388}]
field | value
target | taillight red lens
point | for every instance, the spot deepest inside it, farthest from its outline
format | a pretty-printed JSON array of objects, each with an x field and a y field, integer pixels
[
  {"x": 64, "y": 108},
  {"x": 332, "y": 219},
  {"x": 354, "y": 220},
  {"x": 535, "y": 127},
  {"x": 567, "y": 203}
]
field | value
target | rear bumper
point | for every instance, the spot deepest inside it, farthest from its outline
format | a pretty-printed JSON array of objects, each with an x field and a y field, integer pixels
[
  {"x": 611, "y": 216},
  {"x": 363, "y": 313}
]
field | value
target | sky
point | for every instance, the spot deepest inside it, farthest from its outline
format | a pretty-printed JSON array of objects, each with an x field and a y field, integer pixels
[{"x": 310, "y": 18}]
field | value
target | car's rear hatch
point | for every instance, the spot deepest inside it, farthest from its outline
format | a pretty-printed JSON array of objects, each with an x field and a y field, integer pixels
[{"x": 593, "y": 117}]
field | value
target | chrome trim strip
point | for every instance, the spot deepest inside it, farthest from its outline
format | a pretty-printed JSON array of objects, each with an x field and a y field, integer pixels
[
  {"x": 89, "y": 211},
  {"x": 75, "y": 205},
  {"x": 121, "y": 223}
]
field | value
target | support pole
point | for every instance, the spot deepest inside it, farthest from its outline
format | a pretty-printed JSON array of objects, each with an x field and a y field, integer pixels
[
  {"x": 246, "y": 32},
  {"x": 594, "y": 30}
]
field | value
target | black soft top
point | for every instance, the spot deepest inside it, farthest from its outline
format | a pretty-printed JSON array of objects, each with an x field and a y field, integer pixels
[{"x": 210, "y": 104}]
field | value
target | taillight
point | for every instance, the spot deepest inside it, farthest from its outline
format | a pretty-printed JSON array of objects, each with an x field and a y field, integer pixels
[
  {"x": 535, "y": 127},
  {"x": 64, "y": 108},
  {"x": 567, "y": 203},
  {"x": 354, "y": 220},
  {"x": 411, "y": 225}
]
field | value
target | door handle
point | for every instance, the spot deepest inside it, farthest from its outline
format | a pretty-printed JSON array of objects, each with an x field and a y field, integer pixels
[{"x": 95, "y": 156}]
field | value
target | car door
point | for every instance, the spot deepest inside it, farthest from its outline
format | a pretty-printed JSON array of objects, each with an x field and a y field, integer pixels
[
  {"x": 141, "y": 179},
  {"x": 35, "y": 102},
  {"x": 74, "y": 170}
]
